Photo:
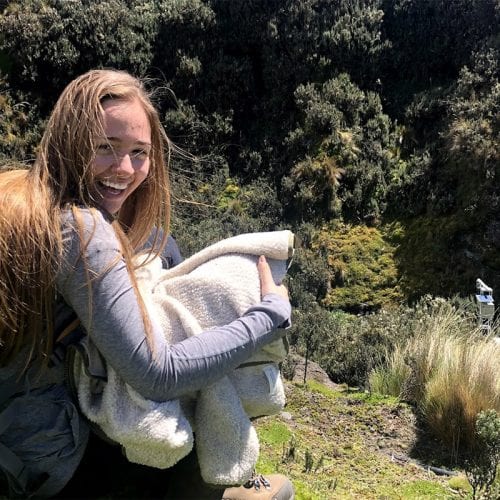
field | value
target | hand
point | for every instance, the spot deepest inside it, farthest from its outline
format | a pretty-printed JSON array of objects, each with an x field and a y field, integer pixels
[{"x": 267, "y": 284}]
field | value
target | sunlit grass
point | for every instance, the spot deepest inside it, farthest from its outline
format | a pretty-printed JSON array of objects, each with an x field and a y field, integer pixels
[
  {"x": 450, "y": 371},
  {"x": 323, "y": 447}
]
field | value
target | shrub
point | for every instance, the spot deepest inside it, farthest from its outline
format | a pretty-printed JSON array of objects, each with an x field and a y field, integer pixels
[
  {"x": 482, "y": 467},
  {"x": 355, "y": 345},
  {"x": 19, "y": 126},
  {"x": 342, "y": 134},
  {"x": 49, "y": 42}
]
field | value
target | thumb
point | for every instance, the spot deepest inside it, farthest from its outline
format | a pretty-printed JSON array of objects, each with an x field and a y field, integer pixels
[{"x": 267, "y": 284}]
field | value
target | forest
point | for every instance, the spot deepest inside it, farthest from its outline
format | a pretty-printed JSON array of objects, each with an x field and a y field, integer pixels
[{"x": 370, "y": 128}]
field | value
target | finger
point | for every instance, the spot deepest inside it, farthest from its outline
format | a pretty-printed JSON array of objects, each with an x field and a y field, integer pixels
[{"x": 265, "y": 275}]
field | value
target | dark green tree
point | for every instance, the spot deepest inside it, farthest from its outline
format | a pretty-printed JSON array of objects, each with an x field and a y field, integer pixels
[
  {"x": 431, "y": 41},
  {"x": 49, "y": 42},
  {"x": 343, "y": 145}
]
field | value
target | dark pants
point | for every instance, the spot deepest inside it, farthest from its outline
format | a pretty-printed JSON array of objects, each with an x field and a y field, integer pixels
[{"x": 106, "y": 473}]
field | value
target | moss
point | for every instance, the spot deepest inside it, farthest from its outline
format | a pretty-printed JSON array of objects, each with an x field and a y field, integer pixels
[
  {"x": 460, "y": 483},
  {"x": 424, "y": 489},
  {"x": 303, "y": 492},
  {"x": 316, "y": 386},
  {"x": 362, "y": 264},
  {"x": 275, "y": 433}
]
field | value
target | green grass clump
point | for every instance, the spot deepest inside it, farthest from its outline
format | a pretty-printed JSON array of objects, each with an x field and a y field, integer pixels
[{"x": 390, "y": 381}]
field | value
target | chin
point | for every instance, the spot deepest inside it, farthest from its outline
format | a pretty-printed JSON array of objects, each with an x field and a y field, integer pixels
[{"x": 111, "y": 208}]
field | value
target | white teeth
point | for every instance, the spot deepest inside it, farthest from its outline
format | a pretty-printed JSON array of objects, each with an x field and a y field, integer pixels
[{"x": 114, "y": 185}]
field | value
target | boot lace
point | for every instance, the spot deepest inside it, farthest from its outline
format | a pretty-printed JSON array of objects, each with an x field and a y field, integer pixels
[{"x": 257, "y": 481}]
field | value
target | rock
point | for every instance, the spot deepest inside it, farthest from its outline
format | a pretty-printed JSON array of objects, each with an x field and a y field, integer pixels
[{"x": 314, "y": 372}]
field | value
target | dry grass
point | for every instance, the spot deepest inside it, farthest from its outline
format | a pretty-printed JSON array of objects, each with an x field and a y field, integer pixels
[
  {"x": 450, "y": 371},
  {"x": 464, "y": 382}
]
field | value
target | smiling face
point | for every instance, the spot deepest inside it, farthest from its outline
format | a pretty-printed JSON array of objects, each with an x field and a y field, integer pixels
[{"x": 122, "y": 158}]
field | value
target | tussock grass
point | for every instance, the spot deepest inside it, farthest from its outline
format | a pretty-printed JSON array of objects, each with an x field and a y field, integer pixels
[
  {"x": 464, "y": 382},
  {"x": 391, "y": 379},
  {"x": 449, "y": 370}
]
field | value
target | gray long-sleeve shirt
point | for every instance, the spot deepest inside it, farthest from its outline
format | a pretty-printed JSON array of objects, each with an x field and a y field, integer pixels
[{"x": 112, "y": 318}]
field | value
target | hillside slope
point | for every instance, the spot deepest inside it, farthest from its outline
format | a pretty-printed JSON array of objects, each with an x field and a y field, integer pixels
[{"x": 339, "y": 444}]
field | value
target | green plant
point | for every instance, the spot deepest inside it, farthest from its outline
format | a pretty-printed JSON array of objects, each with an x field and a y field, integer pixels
[
  {"x": 309, "y": 465},
  {"x": 288, "y": 367},
  {"x": 289, "y": 451},
  {"x": 482, "y": 467},
  {"x": 354, "y": 345},
  {"x": 390, "y": 379},
  {"x": 309, "y": 461}
]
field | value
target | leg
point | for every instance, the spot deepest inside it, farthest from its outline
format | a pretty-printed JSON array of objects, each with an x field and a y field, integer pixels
[
  {"x": 187, "y": 483},
  {"x": 105, "y": 472}
]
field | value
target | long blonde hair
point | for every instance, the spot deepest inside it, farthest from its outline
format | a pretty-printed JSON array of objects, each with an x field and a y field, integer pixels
[{"x": 62, "y": 177}]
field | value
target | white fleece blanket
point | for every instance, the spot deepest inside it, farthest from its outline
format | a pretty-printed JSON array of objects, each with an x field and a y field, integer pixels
[{"x": 211, "y": 288}]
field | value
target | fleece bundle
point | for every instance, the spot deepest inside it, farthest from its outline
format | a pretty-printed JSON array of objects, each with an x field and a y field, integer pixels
[{"x": 211, "y": 288}]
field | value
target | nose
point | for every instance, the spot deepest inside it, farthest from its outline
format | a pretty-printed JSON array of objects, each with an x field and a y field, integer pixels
[{"x": 123, "y": 164}]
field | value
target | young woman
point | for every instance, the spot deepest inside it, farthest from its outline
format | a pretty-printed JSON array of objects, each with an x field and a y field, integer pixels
[{"x": 70, "y": 226}]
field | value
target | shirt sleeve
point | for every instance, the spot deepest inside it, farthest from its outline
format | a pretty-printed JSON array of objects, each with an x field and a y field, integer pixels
[
  {"x": 112, "y": 318},
  {"x": 172, "y": 254}
]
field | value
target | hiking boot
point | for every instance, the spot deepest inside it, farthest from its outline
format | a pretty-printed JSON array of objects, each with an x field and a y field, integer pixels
[{"x": 259, "y": 487}]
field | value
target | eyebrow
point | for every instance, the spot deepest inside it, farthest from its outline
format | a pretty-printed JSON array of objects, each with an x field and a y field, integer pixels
[{"x": 117, "y": 139}]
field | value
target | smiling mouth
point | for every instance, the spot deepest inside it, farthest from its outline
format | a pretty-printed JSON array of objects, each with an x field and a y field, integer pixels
[{"x": 112, "y": 187}]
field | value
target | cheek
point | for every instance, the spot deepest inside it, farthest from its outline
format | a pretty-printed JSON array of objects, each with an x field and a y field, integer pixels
[
  {"x": 100, "y": 165},
  {"x": 142, "y": 172}
]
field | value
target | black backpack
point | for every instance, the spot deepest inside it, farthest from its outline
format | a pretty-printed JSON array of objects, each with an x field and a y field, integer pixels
[{"x": 42, "y": 433}]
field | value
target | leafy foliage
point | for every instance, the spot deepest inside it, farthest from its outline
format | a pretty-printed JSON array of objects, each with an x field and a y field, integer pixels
[
  {"x": 433, "y": 40},
  {"x": 482, "y": 468},
  {"x": 344, "y": 138},
  {"x": 296, "y": 113},
  {"x": 50, "y": 42},
  {"x": 19, "y": 130}
]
